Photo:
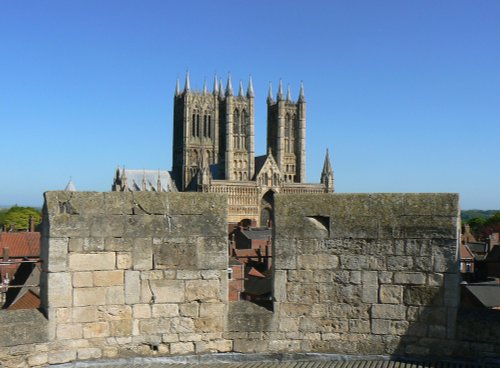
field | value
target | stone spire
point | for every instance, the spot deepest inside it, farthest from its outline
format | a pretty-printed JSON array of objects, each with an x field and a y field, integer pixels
[
  {"x": 288, "y": 94},
  {"x": 70, "y": 187},
  {"x": 270, "y": 99},
  {"x": 187, "y": 84},
  {"x": 250, "y": 88},
  {"x": 124, "y": 182},
  {"x": 302, "y": 97},
  {"x": 205, "y": 90},
  {"x": 144, "y": 182},
  {"x": 178, "y": 87},
  {"x": 240, "y": 91},
  {"x": 279, "y": 96},
  {"x": 229, "y": 86},
  {"x": 216, "y": 86},
  {"x": 221, "y": 89},
  {"x": 327, "y": 173}
]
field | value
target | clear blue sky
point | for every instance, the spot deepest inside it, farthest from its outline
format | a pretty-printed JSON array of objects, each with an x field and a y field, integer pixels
[{"x": 405, "y": 94}]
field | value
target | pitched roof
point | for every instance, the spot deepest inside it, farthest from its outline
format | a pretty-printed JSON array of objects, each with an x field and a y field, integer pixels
[
  {"x": 487, "y": 294},
  {"x": 21, "y": 244},
  {"x": 465, "y": 252},
  {"x": 257, "y": 233},
  {"x": 136, "y": 178}
]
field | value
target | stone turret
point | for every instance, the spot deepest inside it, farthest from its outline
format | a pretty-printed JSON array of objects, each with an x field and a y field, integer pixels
[{"x": 327, "y": 178}]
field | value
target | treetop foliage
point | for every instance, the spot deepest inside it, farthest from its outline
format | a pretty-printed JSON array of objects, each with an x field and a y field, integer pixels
[{"x": 18, "y": 217}]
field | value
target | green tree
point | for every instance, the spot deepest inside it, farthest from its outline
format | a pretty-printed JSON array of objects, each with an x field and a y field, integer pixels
[{"x": 19, "y": 217}]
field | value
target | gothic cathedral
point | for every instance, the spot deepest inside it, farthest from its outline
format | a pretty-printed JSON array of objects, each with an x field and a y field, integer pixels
[{"x": 214, "y": 151}]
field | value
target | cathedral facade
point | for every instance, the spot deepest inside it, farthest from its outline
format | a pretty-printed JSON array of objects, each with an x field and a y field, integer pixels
[{"x": 214, "y": 149}]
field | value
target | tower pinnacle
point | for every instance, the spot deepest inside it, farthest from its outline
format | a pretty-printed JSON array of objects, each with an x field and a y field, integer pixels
[
  {"x": 240, "y": 92},
  {"x": 302, "y": 97},
  {"x": 216, "y": 86},
  {"x": 327, "y": 173},
  {"x": 177, "y": 87},
  {"x": 205, "y": 90},
  {"x": 280, "y": 91},
  {"x": 229, "y": 86},
  {"x": 270, "y": 94},
  {"x": 250, "y": 88},
  {"x": 187, "y": 84},
  {"x": 288, "y": 94}
]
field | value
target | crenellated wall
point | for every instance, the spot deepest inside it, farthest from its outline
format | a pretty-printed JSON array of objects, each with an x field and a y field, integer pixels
[{"x": 142, "y": 273}]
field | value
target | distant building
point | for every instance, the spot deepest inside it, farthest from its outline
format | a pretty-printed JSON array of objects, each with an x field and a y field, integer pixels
[{"x": 214, "y": 150}]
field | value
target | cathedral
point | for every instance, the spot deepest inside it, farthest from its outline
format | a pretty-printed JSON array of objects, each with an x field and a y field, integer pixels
[{"x": 214, "y": 150}]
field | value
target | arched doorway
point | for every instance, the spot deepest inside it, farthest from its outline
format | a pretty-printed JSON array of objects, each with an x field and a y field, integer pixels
[{"x": 267, "y": 209}]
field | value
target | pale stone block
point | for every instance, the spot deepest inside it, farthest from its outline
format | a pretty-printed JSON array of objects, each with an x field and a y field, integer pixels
[
  {"x": 212, "y": 309},
  {"x": 141, "y": 311},
  {"x": 189, "y": 309},
  {"x": 59, "y": 289},
  {"x": 435, "y": 279},
  {"x": 168, "y": 338},
  {"x": 165, "y": 310},
  {"x": 82, "y": 279},
  {"x": 355, "y": 277},
  {"x": 385, "y": 277},
  {"x": 123, "y": 261},
  {"x": 190, "y": 337},
  {"x": 89, "y": 353},
  {"x": 359, "y": 326},
  {"x": 188, "y": 275},
  {"x": 142, "y": 254},
  {"x": 412, "y": 278},
  {"x": 68, "y": 331},
  {"x": 63, "y": 315},
  {"x": 152, "y": 275},
  {"x": 182, "y": 325},
  {"x": 317, "y": 261},
  {"x": 202, "y": 290},
  {"x": 391, "y": 294},
  {"x": 388, "y": 311},
  {"x": 220, "y": 346},
  {"x": 168, "y": 291},
  {"x": 121, "y": 327},
  {"x": 84, "y": 314},
  {"x": 95, "y": 329},
  {"x": 209, "y": 324},
  {"x": 57, "y": 254},
  {"x": 288, "y": 324},
  {"x": 155, "y": 326},
  {"x": 132, "y": 287},
  {"x": 59, "y": 357},
  {"x": 92, "y": 261},
  {"x": 180, "y": 348},
  {"x": 108, "y": 278},
  {"x": 89, "y": 296},
  {"x": 369, "y": 294},
  {"x": 115, "y": 295},
  {"x": 38, "y": 359},
  {"x": 109, "y": 352},
  {"x": 114, "y": 312},
  {"x": 210, "y": 274},
  {"x": 370, "y": 278}
]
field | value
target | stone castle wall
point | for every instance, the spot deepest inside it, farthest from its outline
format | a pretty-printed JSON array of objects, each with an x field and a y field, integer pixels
[{"x": 146, "y": 273}]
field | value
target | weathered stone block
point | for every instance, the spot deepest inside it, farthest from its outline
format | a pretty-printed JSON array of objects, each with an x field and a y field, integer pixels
[
  {"x": 164, "y": 291},
  {"x": 89, "y": 296},
  {"x": 91, "y": 261},
  {"x": 142, "y": 254},
  {"x": 108, "y": 278},
  {"x": 412, "y": 278},
  {"x": 57, "y": 255},
  {"x": 123, "y": 261},
  {"x": 59, "y": 357},
  {"x": 141, "y": 311},
  {"x": 389, "y": 311},
  {"x": 317, "y": 261},
  {"x": 181, "y": 348},
  {"x": 69, "y": 331},
  {"x": 165, "y": 310},
  {"x": 391, "y": 294},
  {"x": 202, "y": 290},
  {"x": 84, "y": 314},
  {"x": 212, "y": 309},
  {"x": 132, "y": 287},
  {"x": 89, "y": 353},
  {"x": 423, "y": 295},
  {"x": 83, "y": 279},
  {"x": 115, "y": 295},
  {"x": 95, "y": 329},
  {"x": 60, "y": 291}
]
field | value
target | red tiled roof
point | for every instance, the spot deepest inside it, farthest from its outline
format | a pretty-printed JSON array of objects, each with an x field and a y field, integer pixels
[
  {"x": 465, "y": 252},
  {"x": 28, "y": 301},
  {"x": 20, "y": 244}
]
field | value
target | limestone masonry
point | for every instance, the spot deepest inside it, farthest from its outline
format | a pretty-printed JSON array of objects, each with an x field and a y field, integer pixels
[{"x": 143, "y": 273}]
